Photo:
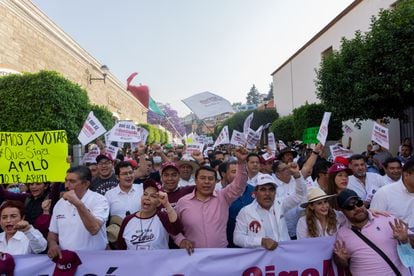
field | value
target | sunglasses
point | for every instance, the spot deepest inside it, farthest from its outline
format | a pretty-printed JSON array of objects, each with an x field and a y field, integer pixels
[{"x": 357, "y": 203}]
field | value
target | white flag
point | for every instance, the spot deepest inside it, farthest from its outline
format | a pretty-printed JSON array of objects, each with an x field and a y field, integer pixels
[
  {"x": 223, "y": 137},
  {"x": 237, "y": 139},
  {"x": 126, "y": 132},
  {"x": 323, "y": 129},
  {"x": 380, "y": 135},
  {"x": 282, "y": 145},
  {"x": 246, "y": 125},
  {"x": 193, "y": 147},
  {"x": 207, "y": 104},
  {"x": 91, "y": 129}
]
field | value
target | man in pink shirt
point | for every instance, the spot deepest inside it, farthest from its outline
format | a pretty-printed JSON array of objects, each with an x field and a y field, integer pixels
[
  {"x": 204, "y": 212},
  {"x": 351, "y": 250}
]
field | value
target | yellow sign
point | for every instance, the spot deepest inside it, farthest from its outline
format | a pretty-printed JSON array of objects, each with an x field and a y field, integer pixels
[{"x": 28, "y": 157}]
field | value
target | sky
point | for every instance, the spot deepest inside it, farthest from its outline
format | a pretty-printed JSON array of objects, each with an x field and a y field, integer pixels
[{"x": 184, "y": 47}]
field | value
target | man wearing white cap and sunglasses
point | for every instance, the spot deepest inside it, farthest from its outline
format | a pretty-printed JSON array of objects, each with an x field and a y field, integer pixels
[{"x": 262, "y": 223}]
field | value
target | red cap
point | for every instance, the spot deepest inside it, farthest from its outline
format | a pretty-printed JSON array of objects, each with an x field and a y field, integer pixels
[
  {"x": 103, "y": 156},
  {"x": 341, "y": 159},
  {"x": 338, "y": 167},
  {"x": 167, "y": 165},
  {"x": 67, "y": 265},
  {"x": 6, "y": 264},
  {"x": 133, "y": 163}
]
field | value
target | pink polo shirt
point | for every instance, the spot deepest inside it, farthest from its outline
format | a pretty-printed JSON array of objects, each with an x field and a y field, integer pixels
[
  {"x": 205, "y": 222},
  {"x": 364, "y": 260}
]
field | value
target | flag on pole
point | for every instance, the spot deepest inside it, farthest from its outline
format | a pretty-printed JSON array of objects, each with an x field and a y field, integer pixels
[
  {"x": 91, "y": 129},
  {"x": 154, "y": 107},
  {"x": 223, "y": 137},
  {"x": 246, "y": 125},
  {"x": 207, "y": 104}
]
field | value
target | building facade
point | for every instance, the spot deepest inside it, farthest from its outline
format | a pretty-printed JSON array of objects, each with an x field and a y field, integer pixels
[
  {"x": 30, "y": 42},
  {"x": 294, "y": 80}
]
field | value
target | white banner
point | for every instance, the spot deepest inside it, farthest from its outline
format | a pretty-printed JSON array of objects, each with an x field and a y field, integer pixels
[
  {"x": 207, "y": 104},
  {"x": 246, "y": 125},
  {"x": 124, "y": 131},
  {"x": 223, "y": 137},
  {"x": 337, "y": 150},
  {"x": 90, "y": 156},
  {"x": 302, "y": 257},
  {"x": 91, "y": 129},
  {"x": 271, "y": 143},
  {"x": 237, "y": 138},
  {"x": 380, "y": 135},
  {"x": 323, "y": 129}
]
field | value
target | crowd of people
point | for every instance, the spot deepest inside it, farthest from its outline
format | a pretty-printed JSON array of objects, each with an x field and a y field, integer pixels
[{"x": 167, "y": 198}]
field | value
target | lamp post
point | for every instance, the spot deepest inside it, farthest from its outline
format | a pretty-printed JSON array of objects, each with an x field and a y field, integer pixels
[{"x": 104, "y": 70}]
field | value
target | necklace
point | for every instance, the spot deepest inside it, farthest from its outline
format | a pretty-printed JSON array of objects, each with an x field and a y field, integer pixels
[{"x": 149, "y": 226}]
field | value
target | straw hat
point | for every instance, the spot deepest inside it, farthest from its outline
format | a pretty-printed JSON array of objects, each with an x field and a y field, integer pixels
[
  {"x": 315, "y": 194},
  {"x": 112, "y": 230}
]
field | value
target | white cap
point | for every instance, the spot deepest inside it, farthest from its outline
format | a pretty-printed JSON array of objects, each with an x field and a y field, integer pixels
[{"x": 263, "y": 179}]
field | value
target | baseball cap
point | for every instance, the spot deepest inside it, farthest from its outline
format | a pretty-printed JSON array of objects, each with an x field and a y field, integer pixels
[
  {"x": 338, "y": 167},
  {"x": 67, "y": 265},
  {"x": 345, "y": 197},
  {"x": 152, "y": 183},
  {"x": 103, "y": 156},
  {"x": 167, "y": 165},
  {"x": 263, "y": 179},
  {"x": 6, "y": 264}
]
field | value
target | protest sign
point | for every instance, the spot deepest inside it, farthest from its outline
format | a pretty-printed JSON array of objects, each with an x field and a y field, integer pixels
[
  {"x": 112, "y": 150},
  {"x": 194, "y": 147},
  {"x": 252, "y": 138},
  {"x": 309, "y": 135},
  {"x": 271, "y": 142},
  {"x": 337, "y": 150},
  {"x": 347, "y": 129},
  {"x": 124, "y": 131},
  {"x": 246, "y": 124},
  {"x": 237, "y": 139},
  {"x": 282, "y": 145},
  {"x": 91, "y": 129},
  {"x": 223, "y": 137},
  {"x": 90, "y": 156},
  {"x": 323, "y": 129},
  {"x": 28, "y": 157},
  {"x": 380, "y": 135}
]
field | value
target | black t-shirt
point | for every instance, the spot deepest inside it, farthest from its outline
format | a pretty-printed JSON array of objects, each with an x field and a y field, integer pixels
[{"x": 101, "y": 186}]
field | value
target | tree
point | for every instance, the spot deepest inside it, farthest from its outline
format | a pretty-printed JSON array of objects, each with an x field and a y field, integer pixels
[
  {"x": 260, "y": 117},
  {"x": 270, "y": 95},
  {"x": 44, "y": 101},
  {"x": 371, "y": 76},
  {"x": 253, "y": 96},
  {"x": 310, "y": 115},
  {"x": 283, "y": 129}
]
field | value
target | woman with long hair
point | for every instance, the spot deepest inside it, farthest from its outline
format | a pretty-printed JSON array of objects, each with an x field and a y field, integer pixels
[
  {"x": 320, "y": 219},
  {"x": 338, "y": 175}
]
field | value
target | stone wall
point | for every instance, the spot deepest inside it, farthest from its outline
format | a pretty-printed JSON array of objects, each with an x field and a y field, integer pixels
[{"x": 30, "y": 41}]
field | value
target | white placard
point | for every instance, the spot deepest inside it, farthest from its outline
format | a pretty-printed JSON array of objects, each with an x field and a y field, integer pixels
[
  {"x": 271, "y": 143},
  {"x": 237, "y": 139},
  {"x": 223, "y": 137},
  {"x": 194, "y": 147},
  {"x": 337, "y": 150},
  {"x": 125, "y": 131},
  {"x": 92, "y": 129},
  {"x": 380, "y": 135},
  {"x": 90, "y": 156},
  {"x": 246, "y": 125},
  {"x": 323, "y": 129},
  {"x": 112, "y": 150},
  {"x": 207, "y": 104}
]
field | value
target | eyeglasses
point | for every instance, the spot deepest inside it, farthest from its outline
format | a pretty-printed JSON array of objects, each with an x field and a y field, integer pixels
[
  {"x": 357, "y": 203},
  {"x": 107, "y": 163}
]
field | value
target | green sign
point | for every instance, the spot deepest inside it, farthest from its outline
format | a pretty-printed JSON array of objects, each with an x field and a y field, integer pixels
[{"x": 309, "y": 135}]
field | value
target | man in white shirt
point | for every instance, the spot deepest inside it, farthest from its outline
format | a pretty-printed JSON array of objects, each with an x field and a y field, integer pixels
[
  {"x": 78, "y": 220},
  {"x": 262, "y": 223},
  {"x": 126, "y": 197},
  {"x": 364, "y": 183},
  {"x": 393, "y": 170},
  {"x": 398, "y": 197},
  {"x": 253, "y": 167},
  {"x": 19, "y": 237},
  {"x": 187, "y": 166}
]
